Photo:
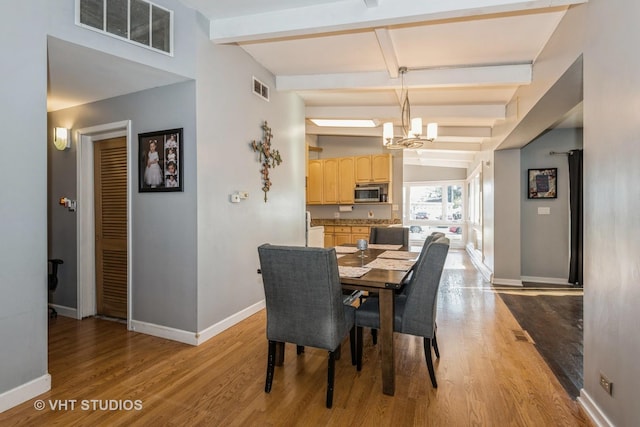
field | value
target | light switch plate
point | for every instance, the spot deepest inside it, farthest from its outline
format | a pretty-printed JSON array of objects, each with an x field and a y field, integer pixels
[{"x": 544, "y": 210}]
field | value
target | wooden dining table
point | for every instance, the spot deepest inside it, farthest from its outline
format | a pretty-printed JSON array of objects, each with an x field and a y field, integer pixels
[{"x": 384, "y": 283}]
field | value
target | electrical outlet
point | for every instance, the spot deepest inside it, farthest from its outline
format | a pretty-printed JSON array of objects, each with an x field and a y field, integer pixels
[{"x": 606, "y": 384}]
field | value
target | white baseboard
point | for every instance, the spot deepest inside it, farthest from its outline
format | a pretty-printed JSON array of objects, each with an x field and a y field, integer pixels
[
  {"x": 593, "y": 411},
  {"x": 65, "y": 311},
  {"x": 477, "y": 262},
  {"x": 20, "y": 394},
  {"x": 224, "y": 324},
  {"x": 164, "y": 332},
  {"x": 507, "y": 282},
  {"x": 547, "y": 280},
  {"x": 193, "y": 338}
]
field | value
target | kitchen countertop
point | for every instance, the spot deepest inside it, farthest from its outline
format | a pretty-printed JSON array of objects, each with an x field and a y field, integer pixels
[{"x": 356, "y": 222}]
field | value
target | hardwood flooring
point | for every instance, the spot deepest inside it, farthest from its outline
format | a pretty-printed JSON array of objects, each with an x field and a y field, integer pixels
[
  {"x": 485, "y": 376},
  {"x": 552, "y": 316}
]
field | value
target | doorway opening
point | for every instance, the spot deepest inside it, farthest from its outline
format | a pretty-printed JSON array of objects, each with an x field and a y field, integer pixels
[{"x": 87, "y": 248}]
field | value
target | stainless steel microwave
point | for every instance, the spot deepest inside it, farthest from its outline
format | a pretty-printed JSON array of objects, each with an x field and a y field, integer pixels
[{"x": 367, "y": 194}]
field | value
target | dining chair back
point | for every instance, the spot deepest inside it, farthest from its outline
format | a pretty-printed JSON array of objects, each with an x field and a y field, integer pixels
[
  {"x": 389, "y": 235},
  {"x": 304, "y": 305},
  {"x": 415, "y": 311}
]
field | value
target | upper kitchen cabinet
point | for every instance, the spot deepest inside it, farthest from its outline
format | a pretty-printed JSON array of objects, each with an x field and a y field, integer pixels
[
  {"x": 330, "y": 181},
  {"x": 373, "y": 168},
  {"x": 314, "y": 182},
  {"x": 347, "y": 182}
]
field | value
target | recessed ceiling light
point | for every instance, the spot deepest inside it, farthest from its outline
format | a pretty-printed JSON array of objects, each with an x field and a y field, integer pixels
[{"x": 344, "y": 123}]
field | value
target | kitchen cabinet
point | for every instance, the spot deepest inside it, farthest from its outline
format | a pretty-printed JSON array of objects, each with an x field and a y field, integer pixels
[
  {"x": 342, "y": 235},
  {"x": 330, "y": 181},
  {"x": 329, "y": 240},
  {"x": 346, "y": 179},
  {"x": 336, "y": 235},
  {"x": 314, "y": 182},
  {"x": 358, "y": 233},
  {"x": 373, "y": 168}
]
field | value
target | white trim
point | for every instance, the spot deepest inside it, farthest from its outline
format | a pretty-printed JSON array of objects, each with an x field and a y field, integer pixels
[
  {"x": 507, "y": 282},
  {"x": 593, "y": 411},
  {"x": 193, "y": 338},
  {"x": 85, "y": 137},
  {"x": 548, "y": 280},
  {"x": 166, "y": 332},
  {"x": 65, "y": 311},
  {"x": 24, "y": 392},
  {"x": 476, "y": 260},
  {"x": 224, "y": 324}
]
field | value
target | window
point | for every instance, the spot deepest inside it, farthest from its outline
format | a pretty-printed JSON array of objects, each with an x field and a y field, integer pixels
[
  {"x": 137, "y": 21},
  {"x": 475, "y": 229},
  {"x": 434, "y": 206}
]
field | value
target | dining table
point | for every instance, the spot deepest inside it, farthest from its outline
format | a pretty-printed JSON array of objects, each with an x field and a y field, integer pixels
[{"x": 383, "y": 281}]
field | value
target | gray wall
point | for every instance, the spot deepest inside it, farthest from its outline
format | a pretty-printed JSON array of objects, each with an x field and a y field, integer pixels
[
  {"x": 507, "y": 217},
  {"x": 23, "y": 253},
  {"x": 62, "y": 25},
  {"x": 230, "y": 116},
  {"x": 612, "y": 203},
  {"x": 163, "y": 224},
  {"x": 545, "y": 238}
]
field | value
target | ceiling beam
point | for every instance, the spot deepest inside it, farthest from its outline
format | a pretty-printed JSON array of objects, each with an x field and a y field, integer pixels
[
  {"x": 448, "y": 137},
  {"x": 349, "y": 15},
  {"x": 506, "y": 74},
  {"x": 481, "y": 112},
  {"x": 388, "y": 51}
]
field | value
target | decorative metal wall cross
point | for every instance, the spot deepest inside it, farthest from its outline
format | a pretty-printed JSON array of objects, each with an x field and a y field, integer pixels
[{"x": 268, "y": 157}]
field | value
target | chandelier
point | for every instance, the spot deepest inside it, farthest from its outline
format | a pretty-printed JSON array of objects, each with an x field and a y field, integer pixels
[{"x": 411, "y": 136}]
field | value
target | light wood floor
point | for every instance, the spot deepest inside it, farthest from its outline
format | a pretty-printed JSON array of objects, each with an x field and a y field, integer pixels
[{"x": 485, "y": 376}]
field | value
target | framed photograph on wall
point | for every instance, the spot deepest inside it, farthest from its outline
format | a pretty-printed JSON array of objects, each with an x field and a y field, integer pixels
[
  {"x": 542, "y": 183},
  {"x": 160, "y": 161}
]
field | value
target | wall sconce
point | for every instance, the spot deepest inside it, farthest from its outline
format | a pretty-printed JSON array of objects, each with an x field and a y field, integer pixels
[{"x": 61, "y": 138}]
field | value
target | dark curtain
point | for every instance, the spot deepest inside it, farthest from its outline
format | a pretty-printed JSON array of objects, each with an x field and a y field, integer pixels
[{"x": 576, "y": 206}]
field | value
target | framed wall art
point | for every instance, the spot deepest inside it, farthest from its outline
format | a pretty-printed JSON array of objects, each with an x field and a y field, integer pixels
[
  {"x": 160, "y": 161},
  {"x": 542, "y": 183}
]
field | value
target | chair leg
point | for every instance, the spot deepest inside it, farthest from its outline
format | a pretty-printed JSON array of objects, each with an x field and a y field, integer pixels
[
  {"x": 359, "y": 348},
  {"x": 271, "y": 362},
  {"x": 299, "y": 349},
  {"x": 330, "y": 378},
  {"x": 352, "y": 345},
  {"x": 434, "y": 342},
  {"x": 374, "y": 336},
  {"x": 427, "y": 354}
]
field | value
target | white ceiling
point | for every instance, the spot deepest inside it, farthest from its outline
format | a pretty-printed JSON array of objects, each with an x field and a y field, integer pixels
[{"x": 466, "y": 59}]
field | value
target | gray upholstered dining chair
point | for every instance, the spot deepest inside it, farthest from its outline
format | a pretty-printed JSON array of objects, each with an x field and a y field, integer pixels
[
  {"x": 304, "y": 304},
  {"x": 389, "y": 235},
  {"x": 415, "y": 312},
  {"x": 408, "y": 281}
]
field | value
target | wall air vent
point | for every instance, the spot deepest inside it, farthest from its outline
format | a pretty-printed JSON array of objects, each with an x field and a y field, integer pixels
[
  {"x": 260, "y": 89},
  {"x": 136, "y": 21}
]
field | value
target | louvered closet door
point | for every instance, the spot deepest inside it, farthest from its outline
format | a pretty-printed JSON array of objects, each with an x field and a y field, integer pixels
[{"x": 110, "y": 180}]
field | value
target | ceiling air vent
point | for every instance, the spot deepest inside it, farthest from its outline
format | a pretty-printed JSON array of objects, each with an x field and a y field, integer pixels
[{"x": 260, "y": 89}]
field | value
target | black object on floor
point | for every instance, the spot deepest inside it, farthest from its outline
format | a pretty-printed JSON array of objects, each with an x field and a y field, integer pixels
[{"x": 553, "y": 319}]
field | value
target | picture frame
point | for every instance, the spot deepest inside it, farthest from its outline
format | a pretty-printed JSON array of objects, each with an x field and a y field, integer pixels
[
  {"x": 542, "y": 183},
  {"x": 160, "y": 161}
]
